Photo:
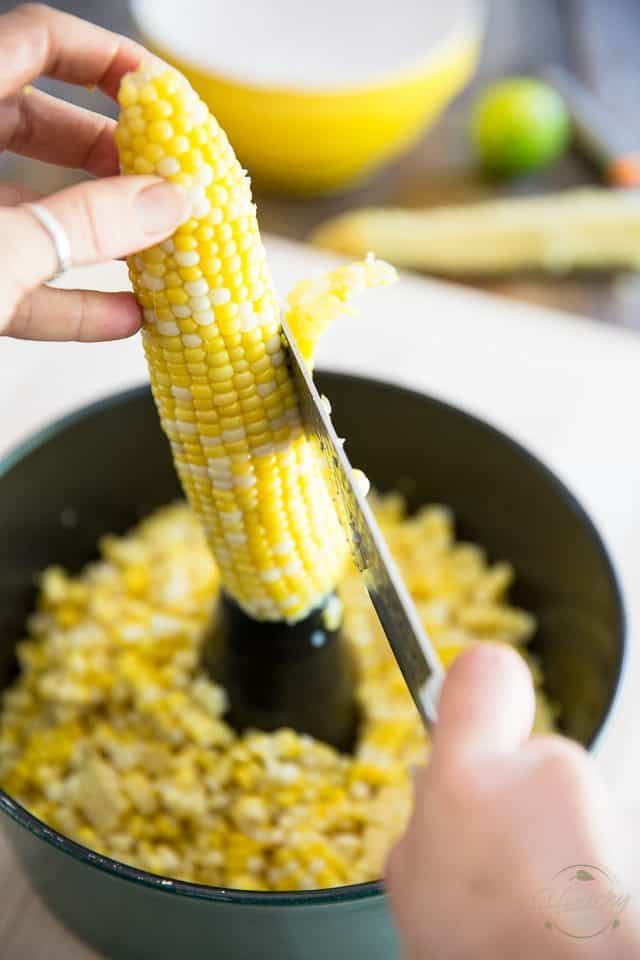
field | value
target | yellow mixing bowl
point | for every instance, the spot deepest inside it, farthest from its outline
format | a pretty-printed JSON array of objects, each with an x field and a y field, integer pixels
[{"x": 306, "y": 136}]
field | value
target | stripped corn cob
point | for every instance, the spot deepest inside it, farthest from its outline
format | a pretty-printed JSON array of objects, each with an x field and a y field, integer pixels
[
  {"x": 218, "y": 372},
  {"x": 583, "y": 229}
]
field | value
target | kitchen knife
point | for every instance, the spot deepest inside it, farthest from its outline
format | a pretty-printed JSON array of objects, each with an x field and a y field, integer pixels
[{"x": 412, "y": 648}]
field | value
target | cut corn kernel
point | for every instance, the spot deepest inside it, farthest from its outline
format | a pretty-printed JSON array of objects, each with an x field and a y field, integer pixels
[
  {"x": 315, "y": 303},
  {"x": 112, "y": 734},
  {"x": 230, "y": 411}
]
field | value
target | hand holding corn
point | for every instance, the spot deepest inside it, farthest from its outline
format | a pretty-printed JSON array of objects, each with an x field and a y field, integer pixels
[{"x": 103, "y": 218}]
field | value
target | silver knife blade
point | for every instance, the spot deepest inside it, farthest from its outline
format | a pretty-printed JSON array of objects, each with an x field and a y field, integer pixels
[{"x": 412, "y": 648}]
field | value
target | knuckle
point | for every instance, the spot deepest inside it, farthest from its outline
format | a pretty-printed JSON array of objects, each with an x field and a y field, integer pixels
[
  {"x": 91, "y": 233},
  {"x": 103, "y": 130},
  {"x": 563, "y": 763},
  {"x": 37, "y": 11},
  {"x": 82, "y": 319},
  {"x": 24, "y": 314},
  {"x": 21, "y": 127},
  {"x": 34, "y": 41},
  {"x": 458, "y": 782}
]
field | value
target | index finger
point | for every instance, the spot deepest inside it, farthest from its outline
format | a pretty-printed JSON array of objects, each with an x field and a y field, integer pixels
[{"x": 37, "y": 40}]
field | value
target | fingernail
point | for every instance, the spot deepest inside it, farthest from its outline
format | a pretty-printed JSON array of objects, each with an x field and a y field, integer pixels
[{"x": 161, "y": 207}]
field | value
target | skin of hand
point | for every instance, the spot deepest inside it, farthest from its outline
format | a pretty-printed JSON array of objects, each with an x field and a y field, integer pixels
[
  {"x": 105, "y": 218},
  {"x": 497, "y": 815}
]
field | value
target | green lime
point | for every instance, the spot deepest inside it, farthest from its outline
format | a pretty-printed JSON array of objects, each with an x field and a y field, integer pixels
[{"x": 519, "y": 125}]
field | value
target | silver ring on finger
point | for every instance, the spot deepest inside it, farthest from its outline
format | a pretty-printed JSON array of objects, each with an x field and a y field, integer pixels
[{"x": 58, "y": 234}]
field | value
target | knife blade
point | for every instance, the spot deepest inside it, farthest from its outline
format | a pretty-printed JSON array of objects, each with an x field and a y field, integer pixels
[{"x": 412, "y": 648}]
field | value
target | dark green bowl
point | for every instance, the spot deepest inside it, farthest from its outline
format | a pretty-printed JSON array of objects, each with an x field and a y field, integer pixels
[{"x": 105, "y": 466}]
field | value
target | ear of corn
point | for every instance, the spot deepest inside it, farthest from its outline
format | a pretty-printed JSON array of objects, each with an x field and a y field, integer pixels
[{"x": 218, "y": 370}]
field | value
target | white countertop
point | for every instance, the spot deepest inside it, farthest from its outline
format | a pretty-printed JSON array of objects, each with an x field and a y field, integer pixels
[{"x": 566, "y": 387}]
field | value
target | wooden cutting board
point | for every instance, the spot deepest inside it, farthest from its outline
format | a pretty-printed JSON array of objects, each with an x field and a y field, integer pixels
[{"x": 566, "y": 387}]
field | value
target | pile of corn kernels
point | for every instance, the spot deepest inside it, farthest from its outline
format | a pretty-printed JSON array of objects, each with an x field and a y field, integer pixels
[{"x": 112, "y": 734}]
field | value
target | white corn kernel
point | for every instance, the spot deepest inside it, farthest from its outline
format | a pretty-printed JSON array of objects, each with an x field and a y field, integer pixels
[
  {"x": 167, "y": 166},
  {"x": 186, "y": 258},
  {"x": 266, "y": 389},
  {"x": 196, "y": 288},
  {"x": 220, "y": 296},
  {"x": 168, "y": 328}
]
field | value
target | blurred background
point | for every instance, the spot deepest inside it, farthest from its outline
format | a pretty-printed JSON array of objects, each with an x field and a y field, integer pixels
[{"x": 596, "y": 40}]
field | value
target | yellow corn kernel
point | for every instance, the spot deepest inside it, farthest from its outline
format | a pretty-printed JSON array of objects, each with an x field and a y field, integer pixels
[
  {"x": 136, "y": 580},
  {"x": 67, "y": 615}
]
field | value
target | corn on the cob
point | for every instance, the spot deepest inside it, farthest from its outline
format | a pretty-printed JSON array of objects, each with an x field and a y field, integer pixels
[{"x": 218, "y": 372}]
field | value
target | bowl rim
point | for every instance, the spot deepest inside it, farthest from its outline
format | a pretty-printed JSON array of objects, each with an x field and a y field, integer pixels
[
  {"x": 466, "y": 22},
  {"x": 347, "y": 893}
]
